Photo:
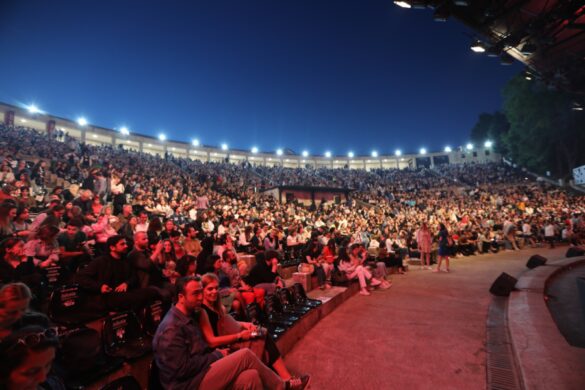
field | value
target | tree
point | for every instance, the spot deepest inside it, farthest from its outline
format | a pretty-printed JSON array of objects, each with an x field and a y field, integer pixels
[
  {"x": 491, "y": 127},
  {"x": 545, "y": 133}
]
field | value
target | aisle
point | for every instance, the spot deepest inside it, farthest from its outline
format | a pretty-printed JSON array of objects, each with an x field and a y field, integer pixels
[{"x": 426, "y": 332}]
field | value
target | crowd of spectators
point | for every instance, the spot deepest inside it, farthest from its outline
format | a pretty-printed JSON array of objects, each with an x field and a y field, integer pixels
[{"x": 128, "y": 227}]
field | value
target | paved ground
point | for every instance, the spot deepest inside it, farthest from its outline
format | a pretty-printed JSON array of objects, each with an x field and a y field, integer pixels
[{"x": 426, "y": 332}]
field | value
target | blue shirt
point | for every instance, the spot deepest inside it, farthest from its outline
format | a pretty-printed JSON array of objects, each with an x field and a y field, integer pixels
[{"x": 180, "y": 352}]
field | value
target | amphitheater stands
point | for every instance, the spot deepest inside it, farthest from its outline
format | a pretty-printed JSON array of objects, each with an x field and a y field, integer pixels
[{"x": 487, "y": 208}]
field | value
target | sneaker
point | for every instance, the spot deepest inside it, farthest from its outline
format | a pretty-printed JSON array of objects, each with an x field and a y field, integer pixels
[
  {"x": 436, "y": 270},
  {"x": 364, "y": 291},
  {"x": 298, "y": 382},
  {"x": 376, "y": 282},
  {"x": 327, "y": 286},
  {"x": 446, "y": 270},
  {"x": 385, "y": 285}
]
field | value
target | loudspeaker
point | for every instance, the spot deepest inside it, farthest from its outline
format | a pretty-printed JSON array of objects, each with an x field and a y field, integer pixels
[
  {"x": 575, "y": 251},
  {"x": 536, "y": 261},
  {"x": 503, "y": 285}
]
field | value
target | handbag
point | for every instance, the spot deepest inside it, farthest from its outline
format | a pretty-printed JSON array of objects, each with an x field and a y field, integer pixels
[
  {"x": 228, "y": 325},
  {"x": 306, "y": 268}
]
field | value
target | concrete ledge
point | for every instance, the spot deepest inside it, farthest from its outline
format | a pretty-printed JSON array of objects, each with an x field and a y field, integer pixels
[
  {"x": 545, "y": 358},
  {"x": 332, "y": 299}
]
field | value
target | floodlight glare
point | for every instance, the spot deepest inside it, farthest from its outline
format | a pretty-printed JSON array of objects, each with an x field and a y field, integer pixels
[
  {"x": 423, "y": 151},
  {"x": 195, "y": 142},
  {"x": 398, "y": 152},
  {"x": 374, "y": 154},
  {"x": 82, "y": 121},
  {"x": 305, "y": 153},
  {"x": 124, "y": 130},
  {"x": 488, "y": 144},
  {"x": 478, "y": 47},
  {"x": 254, "y": 150},
  {"x": 469, "y": 146},
  {"x": 162, "y": 137},
  {"x": 402, "y": 4},
  {"x": 448, "y": 149},
  {"x": 350, "y": 155},
  {"x": 224, "y": 147},
  {"x": 279, "y": 152},
  {"x": 328, "y": 154},
  {"x": 33, "y": 109}
]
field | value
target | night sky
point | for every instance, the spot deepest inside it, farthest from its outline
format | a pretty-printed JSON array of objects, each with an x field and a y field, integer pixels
[{"x": 320, "y": 75}]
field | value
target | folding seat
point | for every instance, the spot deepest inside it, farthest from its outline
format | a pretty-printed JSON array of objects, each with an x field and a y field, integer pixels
[
  {"x": 68, "y": 306},
  {"x": 276, "y": 315},
  {"x": 81, "y": 360},
  {"x": 152, "y": 315},
  {"x": 124, "y": 337},
  {"x": 288, "y": 305},
  {"x": 300, "y": 296}
]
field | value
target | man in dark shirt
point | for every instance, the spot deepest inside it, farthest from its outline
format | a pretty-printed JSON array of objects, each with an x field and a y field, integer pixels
[
  {"x": 186, "y": 361},
  {"x": 112, "y": 277},
  {"x": 73, "y": 251},
  {"x": 265, "y": 273},
  {"x": 148, "y": 273}
]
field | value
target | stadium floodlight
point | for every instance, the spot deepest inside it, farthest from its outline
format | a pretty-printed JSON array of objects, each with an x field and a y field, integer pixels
[
  {"x": 162, "y": 137},
  {"x": 33, "y": 109},
  {"x": 254, "y": 150},
  {"x": 82, "y": 121},
  {"x": 423, "y": 151},
  {"x": 224, "y": 147},
  {"x": 124, "y": 130},
  {"x": 478, "y": 47},
  {"x": 402, "y": 4},
  {"x": 448, "y": 149},
  {"x": 469, "y": 146},
  {"x": 279, "y": 152},
  {"x": 328, "y": 154},
  {"x": 305, "y": 153},
  {"x": 488, "y": 144},
  {"x": 374, "y": 153},
  {"x": 350, "y": 155},
  {"x": 195, "y": 142},
  {"x": 398, "y": 152}
]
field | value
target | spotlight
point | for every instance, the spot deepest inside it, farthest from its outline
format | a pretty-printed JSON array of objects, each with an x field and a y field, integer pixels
[
  {"x": 224, "y": 147},
  {"x": 82, "y": 121},
  {"x": 398, "y": 152},
  {"x": 469, "y": 146},
  {"x": 374, "y": 154},
  {"x": 305, "y": 153},
  {"x": 195, "y": 142},
  {"x": 423, "y": 151},
  {"x": 279, "y": 152},
  {"x": 350, "y": 155},
  {"x": 328, "y": 154},
  {"x": 33, "y": 109},
  {"x": 448, "y": 149},
  {"x": 162, "y": 137},
  {"x": 478, "y": 47},
  {"x": 254, "y": 150},
  {"x": 488, "y": 144},
  {"x": 402, "y": 4},
  {"x": 124, "y": 130},
  {"x": 577, "y": 107}
]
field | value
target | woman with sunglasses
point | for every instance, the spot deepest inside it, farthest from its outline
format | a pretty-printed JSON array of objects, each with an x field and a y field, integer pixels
[{"x": 27, "y": 356}]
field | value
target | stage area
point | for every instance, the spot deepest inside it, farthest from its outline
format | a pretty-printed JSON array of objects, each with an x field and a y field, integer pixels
[{"x": 427, "y": 332}]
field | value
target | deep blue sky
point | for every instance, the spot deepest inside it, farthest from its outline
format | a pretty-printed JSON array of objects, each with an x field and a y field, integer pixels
[{"x": 305, "y": 74}]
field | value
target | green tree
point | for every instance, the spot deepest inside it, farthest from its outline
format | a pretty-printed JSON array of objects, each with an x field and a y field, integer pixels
[
  {"x": 491, "y": 127},
  {"x": 545, "y": 134}
]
